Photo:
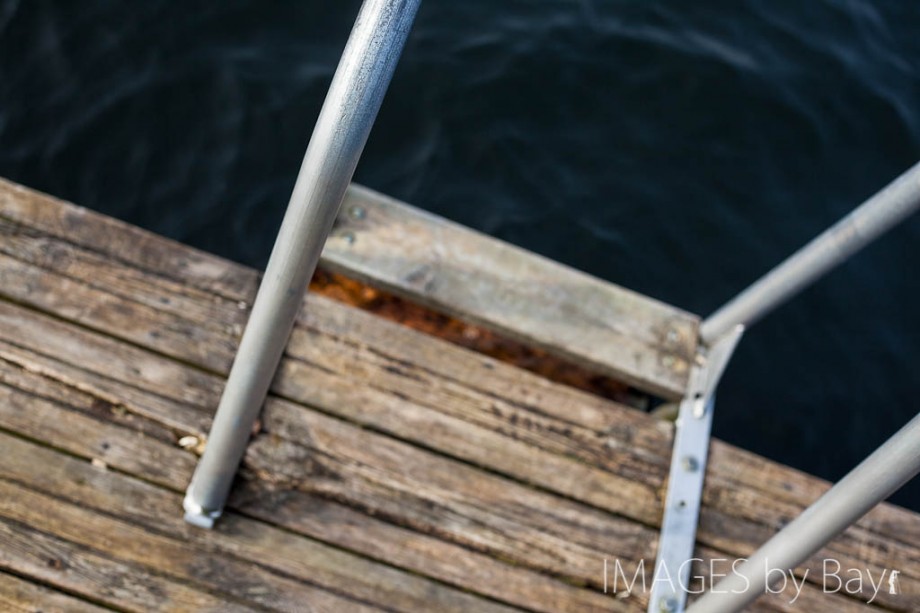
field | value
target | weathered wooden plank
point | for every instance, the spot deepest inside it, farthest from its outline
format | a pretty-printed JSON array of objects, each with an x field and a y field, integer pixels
[
  {"x": 394, "y": 343},
  {"x": 718, "y": 530},
  {"x": 298, "y": 511},
  {"x": 107, "y": 357},
  {"x": 239, "y": 537},
  {"x": 454, "y": 436},
  {"x": 458, "y": 476},
  {"x": 173, "y": 335},
  {"x": 406, "y": 377},
  {"x": 38, "y": 287},
  {"x": 728, "y": 526},
  {"x": 84, "y": 431},
  {"x": 42, "y": 420},
  {"x": 103, "y": 270},
  {"x": 419, "y": 519},
  {"x": 20, "y": 596},
  {"x": 571, "y": 477},
  {"x": 123, "y": 541},
  {"x": 32, "y": 239},
  {"x": 354, "y": 400},
  {"x": 744, "y": 470},
  {"x": 520, "y": 294},
  {"x": 56, "y": 561},
  {"x": 389, "y": 478},
  {"x": 513, "y": 583},
  {"x": 34, "y": 289},
  {"x": 82, "y": 484},
  {"x": 78, "y": 482},
  {"x": 125, "y": 243}
]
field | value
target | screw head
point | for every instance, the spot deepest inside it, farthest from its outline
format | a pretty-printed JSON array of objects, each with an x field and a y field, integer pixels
[
  {"x": 690, "y": 464},
  {"x": 358, "y": 212},
  {"x": 349, "y": 237}
]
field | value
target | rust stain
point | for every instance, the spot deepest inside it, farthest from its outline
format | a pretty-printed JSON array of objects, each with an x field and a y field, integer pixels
[{"x": 472, "y": 337}]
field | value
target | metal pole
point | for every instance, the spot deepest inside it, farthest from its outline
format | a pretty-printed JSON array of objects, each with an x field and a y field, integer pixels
[
  {"x": 877, "y": 477},
  {"x": 869, "y": 221},
  {"x": 341, "y": 131}
]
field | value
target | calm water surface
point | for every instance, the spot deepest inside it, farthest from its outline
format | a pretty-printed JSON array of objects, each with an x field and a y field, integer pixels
[{"x": 677, "y": 148}]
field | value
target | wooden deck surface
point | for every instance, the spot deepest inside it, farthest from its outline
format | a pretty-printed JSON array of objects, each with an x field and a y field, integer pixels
[{"x": 389, "y": 471}]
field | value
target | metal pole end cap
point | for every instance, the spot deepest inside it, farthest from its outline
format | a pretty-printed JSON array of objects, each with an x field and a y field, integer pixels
[{"x": 196, "y": 515}]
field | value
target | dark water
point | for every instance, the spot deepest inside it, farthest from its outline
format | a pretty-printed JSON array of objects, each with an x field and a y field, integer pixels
[{"x": 677, "y": 148}]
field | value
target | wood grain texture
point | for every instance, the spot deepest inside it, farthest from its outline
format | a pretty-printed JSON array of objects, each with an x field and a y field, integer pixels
[
  {"x": 176, "y": 558},
  {"x": 520, "y": 294},
  {"x": 20, "y": 596},
  {"x": 301, "y": 512},
  {"x": 447, "y": 475},
  {"x": 331, "y": 473},
  {"x": 60, "y": 563}
]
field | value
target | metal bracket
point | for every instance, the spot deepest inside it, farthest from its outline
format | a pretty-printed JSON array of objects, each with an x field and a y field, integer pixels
[{"x": 685, "y": 481}]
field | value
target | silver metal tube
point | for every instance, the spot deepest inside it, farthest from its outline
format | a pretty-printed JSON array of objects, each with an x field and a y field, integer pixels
[
  {"x": 877, "y": 477},
  {"x": 869, "y": 221},
  {"x": 348, "y": 113}
]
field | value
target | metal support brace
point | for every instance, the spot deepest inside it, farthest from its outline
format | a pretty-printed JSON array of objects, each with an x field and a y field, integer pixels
[{"x": 685, "y": 481}]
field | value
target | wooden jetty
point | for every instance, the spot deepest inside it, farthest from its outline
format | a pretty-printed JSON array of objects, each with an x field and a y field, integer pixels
[{"x": 390, "y": 470}]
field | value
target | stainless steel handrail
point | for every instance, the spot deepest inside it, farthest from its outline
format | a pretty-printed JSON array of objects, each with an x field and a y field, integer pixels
[
  {"x": 866, "y": 223},
  {"x": 887, "y": 469},
  {"x": 348, "y": 113}
]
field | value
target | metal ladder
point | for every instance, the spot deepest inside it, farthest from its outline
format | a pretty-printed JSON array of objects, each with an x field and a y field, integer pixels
[{"x": 348, "y": 113}]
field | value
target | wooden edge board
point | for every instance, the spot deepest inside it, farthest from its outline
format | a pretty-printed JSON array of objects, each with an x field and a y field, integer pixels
[{"x": 491, "y": 283}]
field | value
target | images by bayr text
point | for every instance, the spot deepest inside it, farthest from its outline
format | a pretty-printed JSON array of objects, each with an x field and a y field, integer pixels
[{"x": 628, "y": 578}]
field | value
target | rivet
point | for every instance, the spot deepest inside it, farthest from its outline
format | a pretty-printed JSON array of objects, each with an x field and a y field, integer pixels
[
  {"x": 690, "y": 463},
  {"x": 358, "y": 212},
  {"x": 349, "y": 237}
]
